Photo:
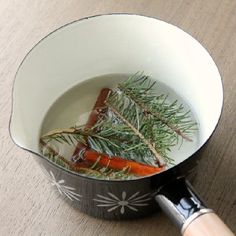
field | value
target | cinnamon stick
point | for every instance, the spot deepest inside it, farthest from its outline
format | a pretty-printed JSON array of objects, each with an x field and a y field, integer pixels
[
  {"x": 118, "y": 163},
  {"x": 104, "y": 160},
  {"x": 99, "y": 108}
]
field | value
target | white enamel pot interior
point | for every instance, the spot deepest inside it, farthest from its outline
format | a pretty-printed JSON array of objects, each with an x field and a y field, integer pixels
[{"x": 108, "y": 44}]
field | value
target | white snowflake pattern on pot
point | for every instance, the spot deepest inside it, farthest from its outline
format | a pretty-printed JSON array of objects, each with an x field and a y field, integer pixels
[
  {"x": 63, "y": 189},
  {"x": 112, "y": 202}
]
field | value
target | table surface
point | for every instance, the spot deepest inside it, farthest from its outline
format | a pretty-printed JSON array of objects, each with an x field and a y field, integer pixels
[{"x": 28, "y": 204}]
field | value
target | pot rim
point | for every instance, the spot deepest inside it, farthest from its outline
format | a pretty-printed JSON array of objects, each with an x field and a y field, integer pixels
[{"x": 172, "y": 168}]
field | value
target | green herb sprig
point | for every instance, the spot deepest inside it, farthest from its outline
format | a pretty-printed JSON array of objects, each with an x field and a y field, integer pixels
[{"x": 139, "y": 124}]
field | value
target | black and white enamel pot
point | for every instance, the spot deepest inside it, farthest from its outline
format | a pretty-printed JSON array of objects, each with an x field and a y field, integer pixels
[{"x": 122, "y": 44}]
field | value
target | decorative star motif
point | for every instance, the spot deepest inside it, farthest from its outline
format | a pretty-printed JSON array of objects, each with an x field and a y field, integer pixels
[
  {"x": 63, "y": 189},
  {"x": 112, "y": 202}
]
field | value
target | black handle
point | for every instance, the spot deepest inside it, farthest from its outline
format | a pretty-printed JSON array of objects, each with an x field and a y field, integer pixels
[{"x": 180, "y": 202}]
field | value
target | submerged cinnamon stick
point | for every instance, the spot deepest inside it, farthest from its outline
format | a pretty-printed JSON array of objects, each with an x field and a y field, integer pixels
[
  {"x": 99, "y": 108},
  {"x": 104, "y": 160},
  {"x": 118, "y": 163}
]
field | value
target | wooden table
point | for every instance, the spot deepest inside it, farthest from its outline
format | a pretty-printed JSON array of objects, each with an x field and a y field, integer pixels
[{"x": 27, "y": 204}]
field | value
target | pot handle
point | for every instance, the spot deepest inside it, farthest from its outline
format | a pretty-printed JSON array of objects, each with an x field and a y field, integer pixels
[{"x": 188, "y": 212}]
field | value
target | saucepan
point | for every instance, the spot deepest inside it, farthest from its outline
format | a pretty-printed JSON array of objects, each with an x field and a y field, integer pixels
[{"x": 122, "y": 44}]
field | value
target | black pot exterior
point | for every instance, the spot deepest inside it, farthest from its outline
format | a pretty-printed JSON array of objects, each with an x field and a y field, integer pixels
[
  {"x": 102, "y": 199},
  {"x": 114, "y": 200}
]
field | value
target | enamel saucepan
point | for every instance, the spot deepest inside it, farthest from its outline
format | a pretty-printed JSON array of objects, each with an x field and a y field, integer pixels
[{"x": 122, "y": 44}]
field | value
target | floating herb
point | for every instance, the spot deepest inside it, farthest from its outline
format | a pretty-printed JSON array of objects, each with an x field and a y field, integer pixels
[{"x": 130, "y": 130}]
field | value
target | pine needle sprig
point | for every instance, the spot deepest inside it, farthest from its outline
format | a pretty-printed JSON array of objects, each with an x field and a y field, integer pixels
[
  {"x": 130, "y": 115},
  {"x": 75, "y": 135},
  {"x": 138, "y": 125},
  {"x": 53, "y": 155},
  {"x": 133, "y": 135},
  {"x": 140, "y": 89},
  {"x": 94, "y": 171},
  {"x": 64, "y": 136}
]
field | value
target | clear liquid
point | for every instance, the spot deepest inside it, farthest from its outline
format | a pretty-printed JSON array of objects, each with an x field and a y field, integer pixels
[{"x": 74, "y": 107}]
